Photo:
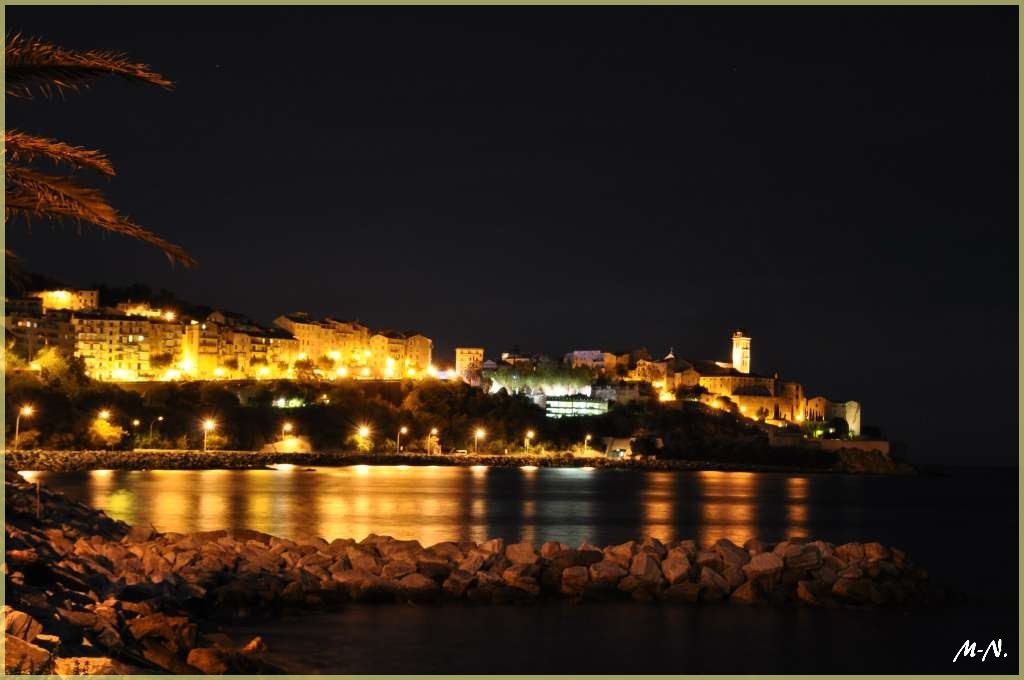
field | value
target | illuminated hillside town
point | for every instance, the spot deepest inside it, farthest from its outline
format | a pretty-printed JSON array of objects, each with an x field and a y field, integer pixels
[{"x": 135, "y": 342}]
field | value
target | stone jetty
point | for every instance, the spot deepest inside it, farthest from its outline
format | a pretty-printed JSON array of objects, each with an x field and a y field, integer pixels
[
  {"x": 90, "y": 595},
  {"x": 847, "y": 461}
]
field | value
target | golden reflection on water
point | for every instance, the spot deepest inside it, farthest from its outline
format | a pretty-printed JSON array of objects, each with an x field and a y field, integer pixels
[
  {"x": 433, "y": 504},
  {"x": 728, "y": 504},
  {"x": 658, "y": 500},
  {"x": 797, "y": 493}
]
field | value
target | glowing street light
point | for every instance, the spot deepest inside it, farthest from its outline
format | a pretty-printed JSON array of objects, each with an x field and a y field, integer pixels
[
  {"x": 104, "y": 414},
  {"x": 586, "y": 442},
  {"x": 136, "y": 422},
  {"x": 25, "y": 411},
  {"x": 529, "y": 436},
  {"x": 208, "y": 426},
  {"x": 285, "y": 429},
  {"x": 477, "y": 436},
  {"x": 151, "y": 424},
  {"x": 398, "y": 440}
]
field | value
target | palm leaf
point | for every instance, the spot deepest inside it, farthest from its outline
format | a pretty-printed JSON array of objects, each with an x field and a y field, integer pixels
[
  {"x": 32, "y": 194},
  {"x": 34, "y": 66},
  {"x": 20, "y": 146}
]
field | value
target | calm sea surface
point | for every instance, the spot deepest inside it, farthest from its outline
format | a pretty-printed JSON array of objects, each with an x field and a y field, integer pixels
[{"x": 963, "y": 528}]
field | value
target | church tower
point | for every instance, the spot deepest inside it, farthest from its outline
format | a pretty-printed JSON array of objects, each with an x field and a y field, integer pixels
[{"x": 741, "y": 351}]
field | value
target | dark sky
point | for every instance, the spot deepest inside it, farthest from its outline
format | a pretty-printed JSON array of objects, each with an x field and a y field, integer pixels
[{"x": 841, "y": 182}]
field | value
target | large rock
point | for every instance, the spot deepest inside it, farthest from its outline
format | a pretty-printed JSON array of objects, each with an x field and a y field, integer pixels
[
  {"x": 746, "y": 593},
  {"x": 754, "y": 546},
  {"x": 712, "y": 585},
  {"x": 396, "y": 569},
  {"x": 24, "y": 658},
  {"x": 711, "y": 559},
  {"x": 457, "y": 583},
  {"x": 493, "y": 546},
  {"x": 522, "y": 577},
  {"x": 93, "y": 665},
  {"x": 876, "y": 551},
  {"x": 765, "y": 569},
  {"x": 622, "y": 554},
  {"x": 850, "y": 552},
  {"x": 803, "y": 557},
  {"x": 178, "y": 632},
  {"x": 394, "y": 549},
  {"x": 574, "y": 580},
  {"x": 475, "y": 561},
  {"x": 607, "y": 573},
  {"x": 21, "y": 625},
  {"x": 448, "y": 551},
  {"x": 551, "y": 548},
  {"x": 433, "y": 566},
  {"x": 732, "y": 555},
  {"x": 521, "y": 553},
  {"x": 417, "y": 587},
  {"x": 361, "y": 558},
  {"x": 654, "y": 546},
  {"x": 676, "y": 568},
  {"x": 210, "y": 660},
  {"x": 646, "y": 567}
]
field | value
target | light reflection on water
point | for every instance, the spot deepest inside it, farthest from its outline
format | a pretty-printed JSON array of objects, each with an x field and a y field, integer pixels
[{"x": 433, "y": 504}]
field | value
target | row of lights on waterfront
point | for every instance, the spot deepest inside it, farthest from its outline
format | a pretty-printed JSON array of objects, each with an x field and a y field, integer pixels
[{"x": 209, "y": 425}]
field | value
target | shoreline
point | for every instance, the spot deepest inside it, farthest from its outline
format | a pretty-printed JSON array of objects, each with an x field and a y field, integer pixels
[
  {"x": 175, "y": 459},
  {"x": 86, "y": 591}
]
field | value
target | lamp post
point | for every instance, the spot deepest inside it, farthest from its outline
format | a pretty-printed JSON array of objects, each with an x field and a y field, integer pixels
[
  {"x": 25, "y": 411},
  {"x": 586, "y": 443},
  {"x": 477, "y": 436},
  {"x": 285, "y": 429},
  {"x": 208, "y": 426},
  {"x": 398, "y": 440},
  {"x": 151, "y": 424},
  {"x": 104, "y": 414},
  {"x": 136, "y": 422},
  {"x": 432, "y": 442},
  {"x": 529, "y": 436}
]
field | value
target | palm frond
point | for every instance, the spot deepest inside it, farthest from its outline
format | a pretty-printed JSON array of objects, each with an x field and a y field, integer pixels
[
  {"x": 34, "y": 66},
  {"x": 32, "y": 194},
  {"x": 20, "y": 146}
]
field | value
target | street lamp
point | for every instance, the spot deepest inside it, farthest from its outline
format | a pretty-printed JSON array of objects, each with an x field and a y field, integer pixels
[
  {"x": 586, "y": 443},
  {"x": 208, "y": 426},
  {"x": 285, "y": 429},
  {"x": 104, "y": 414},
  {"x": 136, "y": 422},
  {"x": 398, "y": 440},
  {"x": 151, "y": 424},
  {"x": 529, "y": 436},
  {"x": 477, "y": 436},
  {"x": 25, "y": 411},
  {"x": 364, "y": 431}
]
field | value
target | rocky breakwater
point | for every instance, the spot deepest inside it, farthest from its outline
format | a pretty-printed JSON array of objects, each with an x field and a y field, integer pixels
[{"x": 86, "y": 592}]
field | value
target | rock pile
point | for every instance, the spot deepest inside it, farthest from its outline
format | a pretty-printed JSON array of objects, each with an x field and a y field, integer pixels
[
  {"x": 85, "y": 592},
  {"x": 79, "y": 461}
]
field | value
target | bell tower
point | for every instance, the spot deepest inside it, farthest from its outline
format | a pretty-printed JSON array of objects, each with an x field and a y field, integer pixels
[{"x": 741, "y": 351}]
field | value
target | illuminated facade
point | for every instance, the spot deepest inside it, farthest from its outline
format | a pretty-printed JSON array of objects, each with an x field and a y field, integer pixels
[
  {"x": 574, "y": 407},
  {"x": 821, "y": 409},
  {"x": 741, "y": 352},
  {"x": 119, "y": 347},
  {"x": 73, "y": 300},
  {"x": 469, "y": 362}
]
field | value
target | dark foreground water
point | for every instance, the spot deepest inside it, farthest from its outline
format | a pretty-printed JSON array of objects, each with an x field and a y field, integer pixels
[{"x": 963, "y": 528}]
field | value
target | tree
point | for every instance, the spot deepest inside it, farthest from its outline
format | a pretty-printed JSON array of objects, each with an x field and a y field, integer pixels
[
  {"x": 37, "y": 68},
  {"x": 105, "y": 434}
]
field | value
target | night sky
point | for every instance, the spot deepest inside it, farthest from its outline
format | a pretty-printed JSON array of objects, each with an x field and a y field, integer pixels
[{"x": 841, "y": 182}]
